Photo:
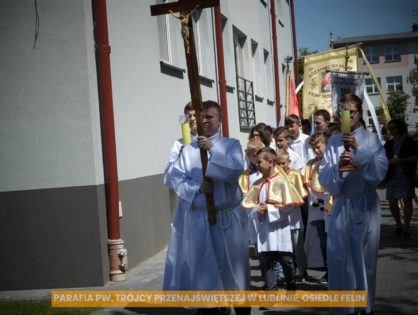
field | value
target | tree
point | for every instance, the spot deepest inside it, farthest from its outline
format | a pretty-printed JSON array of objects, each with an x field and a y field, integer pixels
[
  {"x": 303, "y": 51},
  {"x": 412, "y": 79},
  {"x": 397, "y": 102}
]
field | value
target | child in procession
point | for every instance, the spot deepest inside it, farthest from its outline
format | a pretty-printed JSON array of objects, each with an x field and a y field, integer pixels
[
  {"x": 245, "y": 181},
  {"x": 282, "y": 138},
  {"x": 296, "y": 223},
  {"x": 270, "y": 201},
  {"x": 316, "y": 238}
]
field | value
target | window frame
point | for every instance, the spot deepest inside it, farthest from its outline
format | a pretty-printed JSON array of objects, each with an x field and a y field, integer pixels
[
  {"x": 268, "y": 75},
  {"x": 372, "y": 54},
  {"x": 170, "y": 42},
  {"x": 202, "y": 20},
  {"x": 392, "y": 53},
  {"x": 257, "y": 72},
  {"x": 395, "y": 84},
  {"x": 372, "y": 86}
]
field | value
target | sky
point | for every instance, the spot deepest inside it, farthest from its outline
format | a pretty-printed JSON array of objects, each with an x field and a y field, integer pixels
[{"x": 315, "y": 19}]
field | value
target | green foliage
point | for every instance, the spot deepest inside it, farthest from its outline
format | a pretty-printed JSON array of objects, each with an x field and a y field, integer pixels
[
  {"x": 397, "y": 102},
  {"x": 412, "y": 79},
  {"x": 301, "y": 60},
  {"x": 40, "y": 308},
  {"x": 380, "y": 115}
]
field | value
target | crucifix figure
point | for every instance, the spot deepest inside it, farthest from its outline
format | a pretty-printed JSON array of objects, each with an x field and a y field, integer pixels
[
  {"x": 185, "y": 31},
  {"x": 186, "y": 8}
]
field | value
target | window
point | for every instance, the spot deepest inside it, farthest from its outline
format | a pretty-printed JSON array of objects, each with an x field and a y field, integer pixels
[
  {"x": 372, "y": 54},
  {"x": 240, "y": 47},
  {"x": 392, "y": 53},
  {"x": 164, "y": 38},
  {"x": 394, "y": 83},
  {"x": 269, "y": 79},
  {"x": 371, "y": 87},
  {"x": 245, "y": 92},
  {"x": 202, "y": 21},
  {"x": 228, "y": 51},
  {"x": 370, "y": 118},
  {"x": 258, "y": 87},
  {"x": 169, "y": 39},
  {"x": 279, "y": 9},
  {"x": 245, "y": 88}
]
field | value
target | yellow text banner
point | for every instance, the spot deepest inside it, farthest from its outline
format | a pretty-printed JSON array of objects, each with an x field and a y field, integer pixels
[{"x": 287, "y": 299}]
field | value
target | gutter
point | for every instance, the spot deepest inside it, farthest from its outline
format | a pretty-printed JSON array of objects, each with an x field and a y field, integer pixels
[
  {"x": 221, "y": 70},
  {"x": 116, "y": 250},
  {"x": 295, "y": 48},
  {"x": 275, "y": 60}
]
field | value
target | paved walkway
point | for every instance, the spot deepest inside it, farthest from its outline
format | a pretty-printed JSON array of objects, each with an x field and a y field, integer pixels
[{"x": 397, "y": 282}]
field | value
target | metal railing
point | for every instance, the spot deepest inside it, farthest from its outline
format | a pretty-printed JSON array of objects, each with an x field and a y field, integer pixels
[{"x": 246, "y": 109}]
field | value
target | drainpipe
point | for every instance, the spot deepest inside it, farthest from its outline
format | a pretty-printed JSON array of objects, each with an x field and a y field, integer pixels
[
  {"x": 116, "y": 250},
  {"x": 295, "y": 49},
  {"x": 275, "y": 59},
  {"x": 221, "y": 70}
]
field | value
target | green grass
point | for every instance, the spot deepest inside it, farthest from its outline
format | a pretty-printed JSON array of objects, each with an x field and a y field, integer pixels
[{"x": 39, "y": 308}]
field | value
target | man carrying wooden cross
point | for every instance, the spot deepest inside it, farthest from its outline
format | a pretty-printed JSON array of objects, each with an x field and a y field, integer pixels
[
  {"x": 202, "y": 256},
  {"x": 208, "y": 248}
]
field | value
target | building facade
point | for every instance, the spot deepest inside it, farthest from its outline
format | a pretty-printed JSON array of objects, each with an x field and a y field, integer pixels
[
  {"x": 53, "y": 190},
  {"x": 392, "y": 58}
]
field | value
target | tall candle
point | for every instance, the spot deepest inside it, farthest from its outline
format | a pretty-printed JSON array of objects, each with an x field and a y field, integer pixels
[
  {"x": 185, "y": 129},
  {"x": 345, "y": 121}
]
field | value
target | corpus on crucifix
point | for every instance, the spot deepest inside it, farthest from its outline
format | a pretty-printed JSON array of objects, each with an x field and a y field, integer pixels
[
  {"x": 185, "y": 9},
  {"x": 185, "y": 31}
]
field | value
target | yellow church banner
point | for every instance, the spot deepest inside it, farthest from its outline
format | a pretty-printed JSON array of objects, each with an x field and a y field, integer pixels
[{"x": 317, "y": 76}]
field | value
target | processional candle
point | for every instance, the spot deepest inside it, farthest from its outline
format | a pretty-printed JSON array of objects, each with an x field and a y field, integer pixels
[
  {"x": 345, "y": 120},
  {"x": 185, "y": 130}
]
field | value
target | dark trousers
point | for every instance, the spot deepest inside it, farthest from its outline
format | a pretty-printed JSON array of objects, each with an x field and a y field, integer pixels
[
  {"x": 319, "y": 226},
  {"x": 262, "y": 263},
  {"x": 286, "y": 261},
  {"x": 304, "y": 209}
]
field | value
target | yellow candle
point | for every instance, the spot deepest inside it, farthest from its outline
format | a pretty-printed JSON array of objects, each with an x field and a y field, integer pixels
[
  {"x": 345, "y": 121},
  {"x": 185, "y": 129}
]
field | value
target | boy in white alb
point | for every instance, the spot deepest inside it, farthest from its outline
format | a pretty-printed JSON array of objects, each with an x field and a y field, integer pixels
[
  {"x": 296, "y": 223},
  {"x": 270, "y": 201},
  {"x": 298, "y": 139},
  {"x": 178, "y": 145},
  {"x": 247, "y": 179}
]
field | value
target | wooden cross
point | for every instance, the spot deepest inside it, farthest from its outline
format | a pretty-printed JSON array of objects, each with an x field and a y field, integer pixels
[{"x": 186, "y": 8}]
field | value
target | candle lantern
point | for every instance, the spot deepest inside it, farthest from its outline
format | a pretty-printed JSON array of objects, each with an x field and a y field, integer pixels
[
  {"x": 185, "y": 130},
  {"x": 346, "y": 128}
]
